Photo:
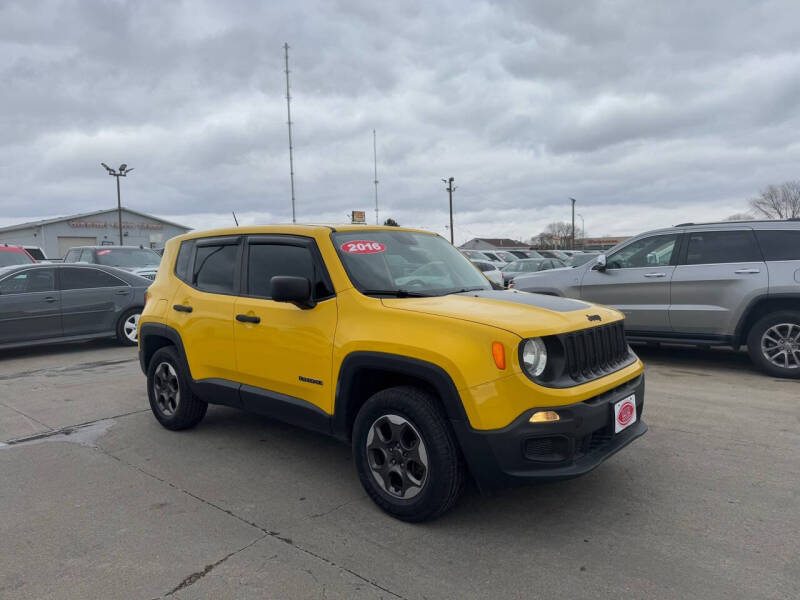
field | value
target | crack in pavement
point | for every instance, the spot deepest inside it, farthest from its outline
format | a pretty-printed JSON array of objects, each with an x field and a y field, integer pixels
[
  {"x": 67, "y": 369},
  {"x": 30, "y": 418},
  {"x": 65, "y": 431},
  {"x": 267, "y": 533}
]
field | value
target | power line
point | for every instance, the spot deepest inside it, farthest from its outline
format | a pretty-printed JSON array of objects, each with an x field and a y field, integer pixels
[{"x": 289, "y": 121}]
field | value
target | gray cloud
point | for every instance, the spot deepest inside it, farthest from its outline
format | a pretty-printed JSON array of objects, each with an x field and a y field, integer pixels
[{"x": 664, "y": 112}]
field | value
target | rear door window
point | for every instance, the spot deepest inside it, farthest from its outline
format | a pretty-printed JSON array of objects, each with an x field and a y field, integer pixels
[
  {"x": 26, "y": 282},
  {"x": 779, "y": 244},
  {"x": 75, "y": 278},
  {"x": 714, "y": 247},
  {"x": 215, "y": 268}
]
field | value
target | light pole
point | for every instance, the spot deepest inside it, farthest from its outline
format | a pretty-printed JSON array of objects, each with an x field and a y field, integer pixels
[
  {"x": 573, "y": 223},
  {"x": 121, "y": 172},
  {"x": 583, "y": 231},
  {"x": 450, "y": 189}
]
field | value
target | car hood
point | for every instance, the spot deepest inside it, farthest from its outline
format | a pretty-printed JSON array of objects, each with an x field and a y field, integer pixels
[{"x": 520, "y": 313}]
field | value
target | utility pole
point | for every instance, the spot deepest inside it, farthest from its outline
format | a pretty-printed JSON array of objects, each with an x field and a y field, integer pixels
[
  {"x": 583, "y": 231},
  {"x": 375, "y": 164},
  {"x": 122, "y": 171},
  {"x": 450, "y": 189},
  {"x": 289, "y": 121},
  {"x": 573, "y": 224}
]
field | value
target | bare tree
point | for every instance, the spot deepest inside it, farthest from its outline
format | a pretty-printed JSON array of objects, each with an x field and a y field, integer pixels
[
  {"x": 742, "y": 216},
  {"x": 556, "y": 235},
  {"x": 778, "y": 201},
  {"x": 391, "y": 222}
]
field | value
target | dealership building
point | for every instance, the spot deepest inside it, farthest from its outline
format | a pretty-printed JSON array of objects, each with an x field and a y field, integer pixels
[{"x": 99, "y": 228}]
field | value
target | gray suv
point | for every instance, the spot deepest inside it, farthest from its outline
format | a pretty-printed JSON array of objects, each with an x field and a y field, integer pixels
[{"x": 729, "y": 284}]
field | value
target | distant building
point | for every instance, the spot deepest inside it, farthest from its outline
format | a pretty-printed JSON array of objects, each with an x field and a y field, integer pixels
[
  {"x": 599, "y": 243},
  {"x": 493, "y": 244},
  {"x": 56, "y": 236}
]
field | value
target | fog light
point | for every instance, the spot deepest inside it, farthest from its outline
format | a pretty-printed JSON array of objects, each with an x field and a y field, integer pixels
[{"x": 544, "y": 416}]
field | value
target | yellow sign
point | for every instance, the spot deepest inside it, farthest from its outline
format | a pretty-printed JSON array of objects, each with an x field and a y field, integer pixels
[{"x": 359, "y": 216}]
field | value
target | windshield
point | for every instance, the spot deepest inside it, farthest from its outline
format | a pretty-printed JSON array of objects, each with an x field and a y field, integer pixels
[
  {"x": 14, "y": 258},
  {"x": 405, "y": 263},
  {"x": 127, "y": 257}
]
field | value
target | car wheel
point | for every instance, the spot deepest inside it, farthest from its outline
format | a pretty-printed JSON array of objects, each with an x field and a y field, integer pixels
[
  {"x": 171, "y": 400},
  {"x": 774, "y": 344},
  {"x": 406, "y": 454},
  {"x": 128, "y": 327}
]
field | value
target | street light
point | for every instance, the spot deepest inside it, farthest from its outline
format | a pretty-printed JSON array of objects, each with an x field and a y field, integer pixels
[
  {"x": 450, "y": 189},
  {"x": 122, "y": 171},
  {"x": 573, "y": 223},
  {"x": 583, "y": 231}
]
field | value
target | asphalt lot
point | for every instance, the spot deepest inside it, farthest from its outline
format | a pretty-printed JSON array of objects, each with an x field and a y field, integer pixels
[{"x": 107, "y": 504}]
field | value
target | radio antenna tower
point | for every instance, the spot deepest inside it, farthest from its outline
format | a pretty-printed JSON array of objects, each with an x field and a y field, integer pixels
[
  {"x": 375, "y": 163},
  {"x": 289, "y": 121}
]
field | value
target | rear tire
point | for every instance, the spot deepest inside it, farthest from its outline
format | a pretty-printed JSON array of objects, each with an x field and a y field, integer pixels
[
  {"x": 406, "y": 454},
  {"x": 128, "y": 326},
  {"x": 774, "y": 344},
  {"x": 171, "y": 400}
]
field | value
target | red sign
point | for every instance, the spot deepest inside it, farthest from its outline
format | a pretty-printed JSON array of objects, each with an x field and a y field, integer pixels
[
  {"x": 626, "y": 412},
  {"x": 363, "y": 247}
]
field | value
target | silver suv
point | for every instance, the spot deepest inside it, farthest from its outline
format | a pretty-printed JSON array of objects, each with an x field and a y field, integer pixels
[{"x": 729, "y": 284}]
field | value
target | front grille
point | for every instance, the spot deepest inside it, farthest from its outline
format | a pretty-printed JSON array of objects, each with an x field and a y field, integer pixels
[{"x": 593, "y": 352}]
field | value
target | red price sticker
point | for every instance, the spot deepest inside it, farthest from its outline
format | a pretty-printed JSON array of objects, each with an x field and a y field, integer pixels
[
  {"x": 363, "y": 247},
  {"x": 102, "y": 252}
]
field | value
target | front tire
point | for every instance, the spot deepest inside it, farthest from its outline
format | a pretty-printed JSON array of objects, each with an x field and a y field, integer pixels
[
  {"x": 171, "y": 400},
  {"x": 406, "y": 454},
  {"x": 774, "y": 344},
  {"x": 128, "y": 327}
]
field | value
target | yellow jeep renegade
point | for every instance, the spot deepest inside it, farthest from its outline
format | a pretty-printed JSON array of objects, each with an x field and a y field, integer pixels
[{"x": 390, "y": 339}]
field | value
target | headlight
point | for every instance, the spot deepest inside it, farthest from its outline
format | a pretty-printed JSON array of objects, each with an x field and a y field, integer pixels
[{"x": 534, "y": 356}]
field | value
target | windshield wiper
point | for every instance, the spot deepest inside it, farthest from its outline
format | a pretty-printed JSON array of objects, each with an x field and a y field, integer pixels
[
  {"x": 462, "y": 290},
  {"x": 395, "y": 293}
]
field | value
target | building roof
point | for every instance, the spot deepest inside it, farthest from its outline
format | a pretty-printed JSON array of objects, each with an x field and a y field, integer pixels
[
  {"x": 89, "y": 214},
  {"x": 500, "y": 242}
]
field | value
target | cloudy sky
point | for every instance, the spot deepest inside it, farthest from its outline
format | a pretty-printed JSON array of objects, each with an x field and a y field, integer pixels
[{"x": 649, "y": 113}]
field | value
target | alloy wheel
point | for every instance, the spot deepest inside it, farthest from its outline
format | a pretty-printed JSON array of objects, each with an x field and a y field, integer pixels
[
  {"x": 780, "y": 345},
  {"x": 166, "y": 388},
  {"x": 131, "y": 328},
  {"x": 397, "y": 456}
]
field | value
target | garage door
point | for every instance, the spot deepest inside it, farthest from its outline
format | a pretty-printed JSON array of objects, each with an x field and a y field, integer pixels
[{"x": 67, "y": 242}]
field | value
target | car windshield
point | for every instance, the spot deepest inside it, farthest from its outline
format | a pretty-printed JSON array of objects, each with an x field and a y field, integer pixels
[
  {"x": 404, "y": 263},
  {"x": 14, "y": 258},
  {"x": 127, "y": 257}
]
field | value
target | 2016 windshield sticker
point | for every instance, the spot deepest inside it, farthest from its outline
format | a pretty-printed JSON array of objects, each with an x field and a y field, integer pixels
[
  {"x": 363, "y": 247},
  {"x": 102, "y": 252}
]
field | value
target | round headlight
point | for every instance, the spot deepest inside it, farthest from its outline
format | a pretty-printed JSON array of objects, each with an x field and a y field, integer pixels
[{"x": 534, "y": 356}]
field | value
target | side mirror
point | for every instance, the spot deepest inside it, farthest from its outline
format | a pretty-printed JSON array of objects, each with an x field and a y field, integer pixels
[
  {"x": 296, "y": 290},
  {"x": 600, "y": 262}
]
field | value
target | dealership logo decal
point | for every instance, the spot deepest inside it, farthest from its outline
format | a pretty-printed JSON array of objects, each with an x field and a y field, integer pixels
[
  {"x": 626, "y": 413},
  {"x": 594, "y": 317}
]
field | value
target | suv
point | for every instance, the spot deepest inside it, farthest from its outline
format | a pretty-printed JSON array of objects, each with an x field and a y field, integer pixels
[
  {"x": 429, "y": 373},
  {"x": 140, "y": 261},
  {"x": 730, "y": 283}
]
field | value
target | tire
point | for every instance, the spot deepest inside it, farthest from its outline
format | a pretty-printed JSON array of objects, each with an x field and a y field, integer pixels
[
  {"x": 384, "y": 431},
  {"x": 774, "y": 344},
  {"x": 128, "y": 319},
  {"x": 166, "y": 375}
]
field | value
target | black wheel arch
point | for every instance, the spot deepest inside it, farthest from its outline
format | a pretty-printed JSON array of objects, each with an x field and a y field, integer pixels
[
  {"x": 760, "y": 307},
  {"x": 153, "y": 336},
  {"x": 363, "y": 374}
]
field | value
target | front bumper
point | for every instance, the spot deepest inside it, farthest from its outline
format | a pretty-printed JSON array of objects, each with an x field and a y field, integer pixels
[{"x": 530, "y": 452}]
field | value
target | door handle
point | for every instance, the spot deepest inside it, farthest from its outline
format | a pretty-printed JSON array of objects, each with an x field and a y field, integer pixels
[
  {"x": 248, "y": 319},
  {"x": 122, "y": 292},
  {"x": 182, "y": 308},
  {"x": 655, "y": 274},
  {"x": 49, "y": 299},
  {"x": 747, "y": 271}
]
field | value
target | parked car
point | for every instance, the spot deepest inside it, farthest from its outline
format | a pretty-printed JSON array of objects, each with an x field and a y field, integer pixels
[
  {"x": 45, "y": 303},
  {"x": 474, "y": 255},
  {"x": 492, "y": 273},
  {"x": 428, "y": 382},
  {"x": 14, "y": 255},
  {"x": 730, "y": 284},
  {"x": 559, "y": 254},
  {"x": 529, "y": 265},
  {"x": 141, "y": 261}
]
